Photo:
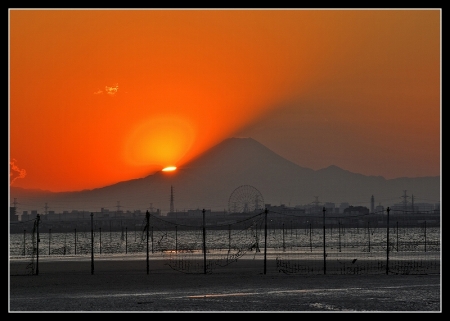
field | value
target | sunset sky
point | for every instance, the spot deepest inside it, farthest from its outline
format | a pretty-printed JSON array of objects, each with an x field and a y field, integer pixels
[{"x": 102, "y": 96}]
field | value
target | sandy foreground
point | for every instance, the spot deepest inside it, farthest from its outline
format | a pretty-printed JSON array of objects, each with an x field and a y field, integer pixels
[{"x": 122, "y": 284}]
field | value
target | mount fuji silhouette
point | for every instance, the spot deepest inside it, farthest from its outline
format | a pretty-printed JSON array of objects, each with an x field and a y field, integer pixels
[{"x": 209, "y": 180}]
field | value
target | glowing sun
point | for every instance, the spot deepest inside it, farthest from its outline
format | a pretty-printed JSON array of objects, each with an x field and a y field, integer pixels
[{"x": 169, "y": 168}]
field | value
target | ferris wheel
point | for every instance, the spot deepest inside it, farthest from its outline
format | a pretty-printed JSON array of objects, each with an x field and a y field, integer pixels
[{"x": 245, "y": 199}]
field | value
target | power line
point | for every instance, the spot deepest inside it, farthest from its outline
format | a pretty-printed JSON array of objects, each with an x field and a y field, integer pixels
[{"x": 405, "y": 201}]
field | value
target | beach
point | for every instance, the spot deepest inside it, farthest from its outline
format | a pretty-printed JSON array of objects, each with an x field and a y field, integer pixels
[{"x": 123, "y": 284}]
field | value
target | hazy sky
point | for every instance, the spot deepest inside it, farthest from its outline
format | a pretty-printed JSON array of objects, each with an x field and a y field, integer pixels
[{"x": 102, "y": 96}]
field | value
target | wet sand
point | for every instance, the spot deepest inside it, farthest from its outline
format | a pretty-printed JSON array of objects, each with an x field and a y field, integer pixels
[{"x": 122, "y": 284}]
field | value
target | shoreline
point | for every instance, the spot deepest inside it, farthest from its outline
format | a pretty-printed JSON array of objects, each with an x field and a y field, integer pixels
[{"x": 64, "y": 285}]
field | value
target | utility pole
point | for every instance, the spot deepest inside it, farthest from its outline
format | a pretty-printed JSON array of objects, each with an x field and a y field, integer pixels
[
  {"x": 171, "y": 199},
  {"x": 405, "y": 201},
  {"x": 15, "y": 208},
  {"x": 118, "y": 208}
]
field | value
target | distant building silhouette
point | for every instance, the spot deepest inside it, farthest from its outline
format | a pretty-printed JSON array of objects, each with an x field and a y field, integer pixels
[
  {"x": 356, "y": 210},
  {"x": 13, "y": 217}
]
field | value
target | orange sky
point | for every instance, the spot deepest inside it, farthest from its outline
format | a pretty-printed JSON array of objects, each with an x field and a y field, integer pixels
[{"x": 102, "y": 96}]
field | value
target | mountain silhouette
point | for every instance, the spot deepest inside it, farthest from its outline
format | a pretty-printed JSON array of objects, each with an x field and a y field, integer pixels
[{"x": 209, "y": 180}]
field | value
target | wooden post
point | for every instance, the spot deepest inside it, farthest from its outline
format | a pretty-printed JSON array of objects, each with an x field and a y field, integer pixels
[
  {"x": 148, "y": 227},
  {"x": 75, "y": 241},
  {"x": 265, "y": 240},
  {"x": 387, "y": 242},
  {"x": 204, "y": 243},
  {"x": 92, "y": 243},
  {"x": 49, "y": 239},
  {"x": 37, "y": 244}
]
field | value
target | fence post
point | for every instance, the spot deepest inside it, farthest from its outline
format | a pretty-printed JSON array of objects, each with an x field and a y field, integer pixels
[
  {"x": 75, "y": 241},
  {"x": 339, "y": 236},
  {"x": 387, "y": 242},
  {"x": 49, "y": 238},
  {"x": 204, "y": 243},
  {"x": 265, "y": 239},
  {"x": 147, "y": 215},
  {"x": 37, "y": 244},
  {"x": 425, "y": 235},
  {"x": 397, "y": 236},
  {"x": 229, "y": 238},
  {"x": 92, "y": 243},
  {"x": 324, "y": 252},
  {"x": 24, "y": 241},
  {"x": 310, "y": 237}
]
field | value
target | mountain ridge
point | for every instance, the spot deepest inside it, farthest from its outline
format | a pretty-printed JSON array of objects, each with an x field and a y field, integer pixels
[{"x": 208, "y": 181}]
